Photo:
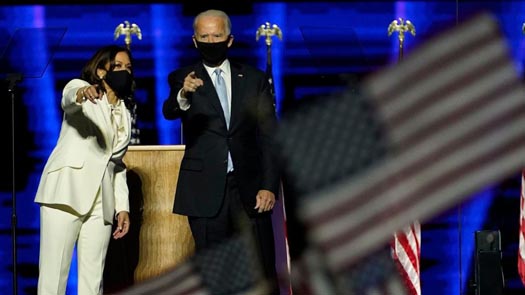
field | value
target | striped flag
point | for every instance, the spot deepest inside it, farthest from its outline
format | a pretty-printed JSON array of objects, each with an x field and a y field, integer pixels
[
  {"x": 406, "y": 244},
  {"x": 269, "y": 76},
  {"x": 374, "y": 275},
  {"x": 280, "y": 212},
  {"x": 406, "y": 252},
  {"x": 181, "y": 281},
  {"x": 414, "y": 140},
  {"x": 231, "y": 267},
  {"x": 453, "y": 114},
  {"x": 521, "y": 251}
]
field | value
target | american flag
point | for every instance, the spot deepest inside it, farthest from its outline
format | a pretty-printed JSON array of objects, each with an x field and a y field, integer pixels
[
  {"x": 133, "y": 107},
  {"x": 231, "y": 267},
  {"x": 322, "y": 143},
  {"x": 453, "y": 114},
  {"x": 372, "y": 276},
  {"x": 183, "y": 280},
  {"x": 416, "y": 139},
  {"x": 135, "y": 131},
  {"x": 406, "y": 252},
  {"x": 521, "y": 251},
  {"x": 279, "y": 211}
]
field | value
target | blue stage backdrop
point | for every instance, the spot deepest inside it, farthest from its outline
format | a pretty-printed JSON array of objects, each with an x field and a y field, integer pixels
[{"x": 326, "y": 47}]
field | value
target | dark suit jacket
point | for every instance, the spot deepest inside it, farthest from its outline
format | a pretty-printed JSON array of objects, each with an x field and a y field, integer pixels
[{"x": 202, "y": 176}]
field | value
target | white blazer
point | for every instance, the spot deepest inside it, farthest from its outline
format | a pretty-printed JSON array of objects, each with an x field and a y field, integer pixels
[{"x": 87, "y": 157}]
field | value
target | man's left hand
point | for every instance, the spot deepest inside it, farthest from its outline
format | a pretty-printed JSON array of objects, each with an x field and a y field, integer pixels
[{"x": 265, "y": 201}]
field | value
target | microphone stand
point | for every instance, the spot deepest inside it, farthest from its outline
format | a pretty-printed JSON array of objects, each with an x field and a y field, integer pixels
[
  {"x": 13, "y": 78},
  {"x": 13, "y": 63}
]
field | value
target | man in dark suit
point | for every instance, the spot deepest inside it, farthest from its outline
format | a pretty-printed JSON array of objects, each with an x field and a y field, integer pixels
[{"x": 229, "y": 170}]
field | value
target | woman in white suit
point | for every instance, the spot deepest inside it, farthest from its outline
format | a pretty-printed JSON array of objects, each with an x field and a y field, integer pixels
[{"x": 83, "y": 187}]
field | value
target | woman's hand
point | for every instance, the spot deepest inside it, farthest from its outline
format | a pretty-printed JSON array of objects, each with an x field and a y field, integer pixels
[
  {"x": 122, "y": 225},
  {"x": 90, "y": 93}
]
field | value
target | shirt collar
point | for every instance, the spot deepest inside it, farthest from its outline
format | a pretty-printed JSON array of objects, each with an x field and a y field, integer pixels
[{"x": 225, "y": 67}]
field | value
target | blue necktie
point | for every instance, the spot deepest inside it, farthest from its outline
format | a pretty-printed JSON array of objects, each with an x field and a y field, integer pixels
[{"x": 220, "y": 86}]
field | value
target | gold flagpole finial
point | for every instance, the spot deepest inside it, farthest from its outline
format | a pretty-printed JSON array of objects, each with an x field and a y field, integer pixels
[
  {"x": 128, "y": 30},
  {"x": 401, "y": 27},
  {"x": 268, "y": 31}
]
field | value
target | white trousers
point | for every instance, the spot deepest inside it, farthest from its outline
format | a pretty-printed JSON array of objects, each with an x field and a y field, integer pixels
[{"x": 60, "y": 229}]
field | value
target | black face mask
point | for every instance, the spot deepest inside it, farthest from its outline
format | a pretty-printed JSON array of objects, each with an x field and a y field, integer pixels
[
  {"x": 213, "y": 54},
  {"x": 121, "y": 82}
]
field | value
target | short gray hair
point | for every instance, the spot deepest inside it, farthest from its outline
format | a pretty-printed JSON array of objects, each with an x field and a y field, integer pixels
[{"x": 217, "y": 13}]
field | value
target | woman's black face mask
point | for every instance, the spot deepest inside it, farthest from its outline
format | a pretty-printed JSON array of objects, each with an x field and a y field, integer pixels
[{"x": 121, "y": 82}]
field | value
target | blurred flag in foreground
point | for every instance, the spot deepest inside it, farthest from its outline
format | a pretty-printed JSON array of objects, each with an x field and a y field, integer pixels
[
  {"x": 231, "y": 267},
  {"x": 416, "y": 139},
  {"x": 372, "y": 276}
]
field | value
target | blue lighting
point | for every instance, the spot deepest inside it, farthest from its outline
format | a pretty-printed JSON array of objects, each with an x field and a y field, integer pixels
[
  {"x": 273, "y": 13},
  {"x": 322, "y": 41},
  {"x": 166, "y": 31}
]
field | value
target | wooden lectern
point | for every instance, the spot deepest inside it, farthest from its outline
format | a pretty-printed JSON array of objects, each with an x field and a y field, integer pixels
[{"x": 165, "y": 238}]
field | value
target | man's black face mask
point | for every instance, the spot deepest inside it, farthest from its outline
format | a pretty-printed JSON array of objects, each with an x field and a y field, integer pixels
[{"x": 213, "y": 54}]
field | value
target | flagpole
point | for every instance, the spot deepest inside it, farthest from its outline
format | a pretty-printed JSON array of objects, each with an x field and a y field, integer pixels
[
  {"x": 128, "y": 30},
  {"x": 401, "y": 27},
  {"x": 410, "y": 239},
  {"x": 268, "y": 31}
]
